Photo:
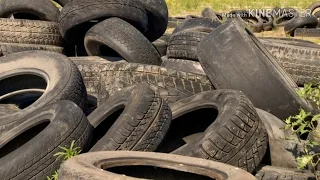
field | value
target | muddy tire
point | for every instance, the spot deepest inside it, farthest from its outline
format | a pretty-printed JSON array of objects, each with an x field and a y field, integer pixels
[
  {"x": 75, "y": 17},
  {"x": 43, "y": 9},
  {"x": 279, "y": 173},
  {"x": 46, "y": 76},
  {"x": 254, "y": 71},
  {"x": 33, "y": 143},
  {"x": 236, "y": 135},
  {"x": 183, "y": 65},
  {"x": 144, "y": 131},
  {"x": 166, "y": 166},
  {"x": 171, "y": 84},
  {"x": 115, "y": 34},
  {"x": 300, "y": 59}
]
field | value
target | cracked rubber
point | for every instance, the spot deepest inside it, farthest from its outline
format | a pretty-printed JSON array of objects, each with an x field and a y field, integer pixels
[
  {"x": 141, "y": 126},
  {"x": 171, "y": 84},
  {"x": 236, "y": 136},
  {"x": 146, "y": 165},
  {"x": 117, "y": 35},
  {"x": 75, "y": 17},
  {"x": 300, "y": 59},
  {"x": 43, "y": 9},
  {"x": 184, "y": 45},
  {"x": 280, "y": 173},
  {"x": 233, "y": 58},
  {"x": 9, "y": 48},
  {"x": 35, "y": 158},
  {"x": 183, "y": 65},
  {"x": 63, "y": 81}
]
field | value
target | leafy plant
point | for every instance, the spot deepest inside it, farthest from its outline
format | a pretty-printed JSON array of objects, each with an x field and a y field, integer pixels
[
  {"x": 66, "y": 154},
  {"x": 305, "y": 123}
]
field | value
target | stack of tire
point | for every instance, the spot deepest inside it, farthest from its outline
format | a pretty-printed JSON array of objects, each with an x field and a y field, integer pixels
[
  {"x": 215, "y": 112},
  {"x": 39, "y": 33}
]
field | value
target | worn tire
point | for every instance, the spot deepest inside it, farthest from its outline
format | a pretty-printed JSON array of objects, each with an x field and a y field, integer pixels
[
  {"x": 30, "y": 38},
  {"x": 161, "y": 46},
  {"x": 284, "y": 147},
  {"x": 157, "y": 12},
  {"x": 164, "y": 166},
  {"x": 27, "y": 154},
  {"x": 300, "y": 22},
  {"x": 304, "y": 32},
  {"x": 250, "y": 68},
  {"x": 9, "y": 48},
  {"x": 149, "y": 121},
  {"x": 300, "y": 59},
  {"x": 289, "y": 41},
  {"x": 75, "y": 17},
  {"x": 210, "y": 14},
  {"x": 184, "y": 45},
  {"x": 314, "y": 6},
  {"x": 183, "y": 65},
  {"x": 236, "y": 135},
  {"x": 52, "y": 75},
  {"x": 199, "y": 24},
  {"x": 279, "y": 173},
  {"x": 115, "y": 34},
  {"x": 284, "y": 19},
  {"x": 171, "y": 84},
  {"x": 43, "y": 9}
]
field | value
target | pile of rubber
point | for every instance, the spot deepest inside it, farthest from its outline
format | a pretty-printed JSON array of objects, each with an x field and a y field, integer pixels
[{"x": 205, "y": 102}]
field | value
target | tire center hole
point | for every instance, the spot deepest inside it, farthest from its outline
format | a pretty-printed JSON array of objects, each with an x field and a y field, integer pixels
[{"x": 26, "y": 16}]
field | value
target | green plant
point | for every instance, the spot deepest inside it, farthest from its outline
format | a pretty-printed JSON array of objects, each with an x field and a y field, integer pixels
[
  {"x": 66, "y": 154},
  {"x": 304, "y": 123}
]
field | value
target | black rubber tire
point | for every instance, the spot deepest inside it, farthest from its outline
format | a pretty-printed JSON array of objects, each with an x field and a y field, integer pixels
[
  {"x": 284, "y": 19},
  {"x": 184, "y": 45},
  {"x": 157, "y": 12},
  {"x": 284, "y": 147},
  {"x": 251, "y": 19},
  {"x": 62, "y": 2},
  {"x": 277, "y": 12},
  {"x": 149, "y": 165},
  {"x": 171, "y": 84},
  {"x": 173, "y": 22},
  {"x": 210, "y": 14},
  {"x": 9, "y": 48},
  {"x": 300, "y": 59},
  {"x": 52, "y": 74},
  {"x": 314, "y": 6},
  {"x": 150, "y": 118},
  {"x": 279, "y": 173},
  {"x": 183, "y": 65},
  {"x": 306, "y": 21},
  {"x": 117, "y": 35},
  {"x": 303, "y": 32},
  {"x": 32, "y": 156},
  {"x": 289, "y": 41},
  {"x": 236, "y": 136},
  {"x": 43, "y": 9},
  {"x": 75, "y": 17},
  {"x": 250, "y": 68},
  {"x": 30, "y": 38},
  {"x": 267, "y": 22},
  {"x": 161, "y": 46},
  {"x": 199, "y": 24}
]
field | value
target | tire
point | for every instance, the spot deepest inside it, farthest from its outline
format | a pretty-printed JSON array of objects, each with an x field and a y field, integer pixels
[
  {"x": 183, "y": 65},
  {"x": 62, "y": 2},
  {"x": 236, "y": 135},
  {"x": 114, "y": 34},
  {"x": 253, "y": 70},
  {"x": 284, "y": 146},
  {"x": 35, "y": 150},
  {"x": 171, "y": 84},
  {"x": 157, "y": 12},
  {"x": 9, "y": 48},
  {"x": 30, "y": 38},
  {"x": 164, "y": 166},
  {"x": 210, "y": 14},
  {"x": 314, "y": 6},
  {"x": 173, "y": 22},
  {"x": 252, "y": 20},
  {"x": 161, "y": 46},
  {"x": 279, "y": 173},
  {"x": 48, "y": 76},
  {"x": 198, "y": 25},
  {"x": 149, "y": 121},
  {"x": 75, "y": 17},
  {"x": 7, "y": 109},
  {"x": 43, "y": 10},
  {"x": 301, "y": 22},
  {"x": 184, "y": 45},
  {"x": 284, "y": 19},
  {"x": 303, "y": 32},
  {"x": 267, "y": 22},
  {"x": 300, "y": 59},
  {"x": 289, "y": 41}
]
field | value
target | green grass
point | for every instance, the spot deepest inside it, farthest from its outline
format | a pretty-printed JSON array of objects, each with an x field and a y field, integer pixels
[{"x": 182, "y": 7}]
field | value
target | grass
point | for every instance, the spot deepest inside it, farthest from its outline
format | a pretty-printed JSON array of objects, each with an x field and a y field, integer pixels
[{"x": 183, "y": 7}]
